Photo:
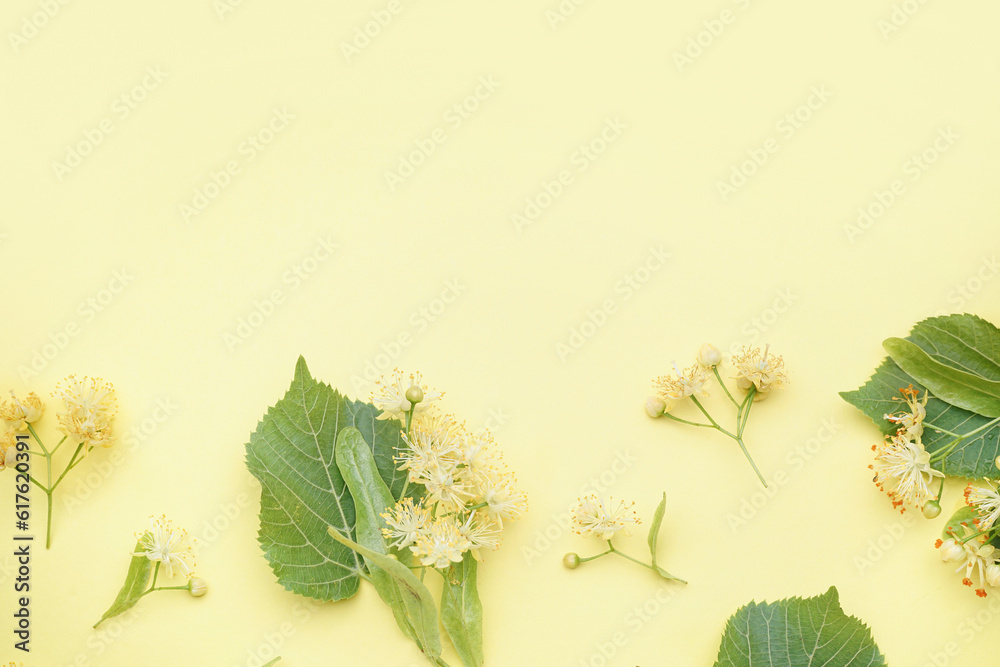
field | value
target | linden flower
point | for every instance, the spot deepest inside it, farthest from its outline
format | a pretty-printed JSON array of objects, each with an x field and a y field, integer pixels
[
  {"x": 595, "y": 516},
  {"x": 986, "y": 502},
  {"x": 441, "y": 544},
  {"x": 90, "y": 407},
  {"x": 8, "y": 450},
  {"x": 482, "y": 532},
  {"x": 902, "y": 469},
  {"x": 171, "y": 547},
  {"x": 762, "y": 370},
  {"x": 19, "y": 414},
  {"x": 390, "y": 396},
  {"x": 911, "y": 422},
  {"x": 690, "y": 382},
  {"x": 503, "y": 501},
  {"x": 432, "y": 444},
  {"x": 978, "y": 557},
  {"x": 406, "y": 522}
]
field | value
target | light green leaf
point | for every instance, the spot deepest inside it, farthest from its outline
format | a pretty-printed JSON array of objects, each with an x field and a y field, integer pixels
[
  {"x": 959, "y": 388},
  {"x": 654, "y": 528},
  {"x": 418, "y": 601},
  {"x": 371, "y": 497},
  {"x": 136, "y": 580},
  {"x": 798, "y": 632},
  {"x": 974, "y": 458},
  {"x": 462, "y": 611},
  {"x": 964, "y": 514}
]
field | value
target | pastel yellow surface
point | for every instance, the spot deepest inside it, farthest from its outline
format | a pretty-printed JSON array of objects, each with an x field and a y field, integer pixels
[{"x": 539, "y": 214}]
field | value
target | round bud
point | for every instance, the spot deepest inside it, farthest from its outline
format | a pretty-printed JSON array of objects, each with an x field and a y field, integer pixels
[
  {"x": 951, "y": 551},
  {"x": 414, "y": 394},
  {"x": 993, "y": 574},
  {"x": 571, "y": 560},
  {"x": 743, "y": 383},
  {"x": 932, "y": 509},
  {"x": 655, "y": 406},
  {"x": 709, "y": 356},
  {"x": 997, "y": 462},
  {"x": 10, "y": 457},
  {"x": 197, "y": 587}
]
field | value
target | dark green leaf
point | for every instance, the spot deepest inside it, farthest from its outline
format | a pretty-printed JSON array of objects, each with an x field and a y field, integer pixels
[{"x": 798, "y": 633}]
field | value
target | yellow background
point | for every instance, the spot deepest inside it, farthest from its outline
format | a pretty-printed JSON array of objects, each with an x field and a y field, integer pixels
[{"x": 781, "y": 261}]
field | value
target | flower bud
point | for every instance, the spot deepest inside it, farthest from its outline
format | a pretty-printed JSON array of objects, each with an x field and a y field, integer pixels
[
  {"x": 951, "y": 551},
  {"x": 197, "y": 587},
  {"x": 709, "y": 356},
  {"x": 993, "y": 574},
  {"x": 743, "y": 383},
  {"x": 997, "y": 462},
  {"x": 10, "y": 457},
  {"x": 414, "y": 394},
  {"x": 571, "y": 560},
  {"x": 932, "y": 509},
  {"x": 655, "y": 406}
]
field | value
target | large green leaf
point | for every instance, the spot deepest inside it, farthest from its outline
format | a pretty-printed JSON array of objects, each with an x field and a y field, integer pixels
[
  {"x": 964, "y": 390},
  {"x": 798, "y": 632},
  {"x": 462, "y": 611},
  {"x": 974, "y": 458},
  {"x": 302, "y": 491},
  {"x": 418, "y": 601},
  {"x": 139, "y": 572}
]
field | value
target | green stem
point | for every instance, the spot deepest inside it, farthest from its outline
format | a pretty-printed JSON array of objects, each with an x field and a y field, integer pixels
[
  {"x": 715, "y": 369},
  {"x": 48, "y": 519},
  {"x": 745, "y": 409},
  {"x": 639, "y": 562},
  {"x": 685, "y": 421},
  {"x": 70, "y": 466},
  {"x": 739, "y": 441},
  {"x": 58, "y": 445},
  {"x": 409, "y": 419},
  {"x": 31, "y": 429},
  {"x": 273, "y": 662},
  {"x": 37, "y": 483},
  {"x": 959, "y": 439},
  {"x": 156, "y": 573},
  {"x": 605, "y": 553},
  {"x": 975, "y": 535},
  {"x": 715, "y": 424}
]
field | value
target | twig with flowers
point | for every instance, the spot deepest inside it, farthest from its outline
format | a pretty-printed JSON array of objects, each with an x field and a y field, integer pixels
[
  {"x": 758, "y": 372},
  {"x": 165, "y": 547},
  {"x": 90, "y": 407},
  {"x": 426, "y": 494},
  {"x": 946, "y": 374},
  {"x": 604, "y": 518}
]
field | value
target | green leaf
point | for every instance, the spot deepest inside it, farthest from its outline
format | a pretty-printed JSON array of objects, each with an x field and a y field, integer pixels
[
  {"x": 136, "y": 580},
  {"x": 654, "y": 528},
  {"x": 371, "y": 497},
  {"x": 964, "y": 390},
  {"x": 798, "y": 632},
  {"x": 418, "y": 601},
  {"x": 302, "y": 491},
  {"x": 974, "y": 458},
  {"x": 462, "y": 611},
  {"x": 964, "y": 514}
]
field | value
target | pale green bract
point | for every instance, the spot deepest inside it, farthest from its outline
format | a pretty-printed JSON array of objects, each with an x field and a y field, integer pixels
[
  {"x": 302, "y": 490},
  {"x": 797, "y": 632},
  {"x": 959, "y": 347}
]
